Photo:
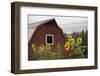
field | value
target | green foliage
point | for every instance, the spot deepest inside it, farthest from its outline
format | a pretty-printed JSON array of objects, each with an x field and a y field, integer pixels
[
  {"x": 76, "y": 43},
  {"x": 80, "y": 44},
  {"x": 45, "y": 52}
]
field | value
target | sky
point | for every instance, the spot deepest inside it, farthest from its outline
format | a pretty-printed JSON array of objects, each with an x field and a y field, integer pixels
[{"x": 66, "y": 23}]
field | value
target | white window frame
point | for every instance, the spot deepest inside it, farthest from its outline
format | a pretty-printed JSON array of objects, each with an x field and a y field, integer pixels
[{"x": 52, "y": 39}]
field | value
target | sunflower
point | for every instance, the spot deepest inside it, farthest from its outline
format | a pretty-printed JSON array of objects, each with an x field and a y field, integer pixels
[
  {"x": 72, "y": 41},
  {"x": 67, "y": 47},
  {"x": 47, "y": 47},
  {"x": 79, "y": 40},
  {"x": 72, "y": 47},
  {"x": 69, "y": 37},
  {"x": 67, "y": 44},
  {"x": 41, "y": 48},
  {"x": 33, "y": 47}
]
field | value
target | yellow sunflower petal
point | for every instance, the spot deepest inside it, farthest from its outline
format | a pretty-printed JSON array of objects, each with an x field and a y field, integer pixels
[
  {"x": 67, "y": 48},
  {"x": 72, "y": 41},
  {"x": 69, "y": 37},
  {"x": 79, "y": 40}
]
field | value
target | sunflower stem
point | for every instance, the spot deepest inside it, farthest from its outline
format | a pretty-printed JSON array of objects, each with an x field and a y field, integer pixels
[{"x": 81, "y": 52}]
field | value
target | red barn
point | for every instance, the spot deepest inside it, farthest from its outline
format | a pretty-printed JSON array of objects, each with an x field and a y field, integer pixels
[{"x": 48, "y": 32}]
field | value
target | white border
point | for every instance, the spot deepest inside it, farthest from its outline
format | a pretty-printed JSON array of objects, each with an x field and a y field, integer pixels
[{"x": 25, "y": 64}]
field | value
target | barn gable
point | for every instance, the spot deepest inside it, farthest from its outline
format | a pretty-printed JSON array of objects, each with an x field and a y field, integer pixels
[{"x": 48, "y": 32}]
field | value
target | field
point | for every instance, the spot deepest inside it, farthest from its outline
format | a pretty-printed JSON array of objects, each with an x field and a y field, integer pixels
[{"x": 75, "y": 47}]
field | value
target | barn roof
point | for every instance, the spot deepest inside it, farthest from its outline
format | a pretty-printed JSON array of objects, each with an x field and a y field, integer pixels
[
  {"x": 33, "y": 26},
  {"x": 36, "y": 24}
]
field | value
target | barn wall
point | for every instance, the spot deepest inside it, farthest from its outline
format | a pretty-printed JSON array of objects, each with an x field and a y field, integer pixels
[{"x": 38, "y": 37}]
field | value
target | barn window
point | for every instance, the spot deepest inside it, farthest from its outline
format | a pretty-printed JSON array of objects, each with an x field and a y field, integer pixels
[{"x": 50, "y": 39}]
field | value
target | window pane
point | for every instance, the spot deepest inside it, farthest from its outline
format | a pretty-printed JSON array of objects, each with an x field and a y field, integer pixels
[{"x": 49, "y": 39}]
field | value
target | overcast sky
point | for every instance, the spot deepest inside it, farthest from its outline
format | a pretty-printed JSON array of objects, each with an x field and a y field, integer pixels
[{"x": 68, "y": 24}]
